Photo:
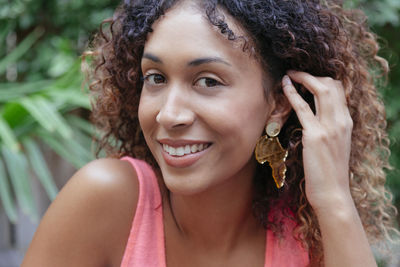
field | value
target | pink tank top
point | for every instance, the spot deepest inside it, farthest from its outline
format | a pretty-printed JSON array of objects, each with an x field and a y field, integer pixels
[{"x": 145, "y": 247}]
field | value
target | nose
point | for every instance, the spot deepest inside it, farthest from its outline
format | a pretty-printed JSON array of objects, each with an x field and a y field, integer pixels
[{"x": 176, "y": 111}]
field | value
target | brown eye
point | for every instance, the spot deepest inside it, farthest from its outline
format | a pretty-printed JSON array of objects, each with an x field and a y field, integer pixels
[
  {"x": 154, "y": 79},
  {"x": 207, "y": 82}
]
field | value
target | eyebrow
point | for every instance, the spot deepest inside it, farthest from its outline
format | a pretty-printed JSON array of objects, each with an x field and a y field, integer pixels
[
  {"x": 152, "y": 57},
  {"x": 193, "y": 63},
  {"x": 206, "y": 60}
]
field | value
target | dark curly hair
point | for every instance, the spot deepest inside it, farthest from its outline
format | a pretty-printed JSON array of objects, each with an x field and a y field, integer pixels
[{"x": 318, "y": 37}]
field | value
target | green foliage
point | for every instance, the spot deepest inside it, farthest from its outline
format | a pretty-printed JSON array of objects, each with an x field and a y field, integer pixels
[
  {"x": 39, "y": 113},
  {"x": 41, "y": 100},
  {"x": 379, "y": 12}
]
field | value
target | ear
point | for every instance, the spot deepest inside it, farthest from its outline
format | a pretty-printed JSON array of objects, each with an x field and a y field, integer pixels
[{"x": 282, "y": 108}]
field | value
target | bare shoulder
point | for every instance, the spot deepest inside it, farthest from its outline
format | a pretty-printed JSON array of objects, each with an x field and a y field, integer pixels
[
  {"x": 107, "y": 175},
  {"x": 89, "y": 222}
]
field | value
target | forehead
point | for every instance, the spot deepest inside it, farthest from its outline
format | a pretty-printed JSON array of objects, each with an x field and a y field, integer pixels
[{"x": 184, "y": 30}]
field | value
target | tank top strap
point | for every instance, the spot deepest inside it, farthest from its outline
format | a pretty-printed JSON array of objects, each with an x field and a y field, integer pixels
[{"x": 146, "y": 246}]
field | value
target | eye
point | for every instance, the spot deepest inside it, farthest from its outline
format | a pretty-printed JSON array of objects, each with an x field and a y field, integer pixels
[
  {"x": 207, "y": 82},
  {"x": 154, "y": 79}
]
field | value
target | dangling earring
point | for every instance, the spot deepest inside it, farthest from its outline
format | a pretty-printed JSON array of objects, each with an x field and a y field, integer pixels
[{"x": 269, "y": 149}]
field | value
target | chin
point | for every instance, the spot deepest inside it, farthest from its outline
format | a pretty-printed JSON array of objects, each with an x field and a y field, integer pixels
[{"x": 184, "y": 188}]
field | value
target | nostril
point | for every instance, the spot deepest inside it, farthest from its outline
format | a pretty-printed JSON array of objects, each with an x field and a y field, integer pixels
[
  {"x": 176, "y": 112},
  {"x": 179, "y": 125}
]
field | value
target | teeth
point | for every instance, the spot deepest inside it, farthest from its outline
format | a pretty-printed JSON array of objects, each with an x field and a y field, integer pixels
[
  {"x": 193, "y": 148},
  {"x": 184, "y": 150},
  {"x": 187, "y": 149},
  {"x": 180, "y": 151}
]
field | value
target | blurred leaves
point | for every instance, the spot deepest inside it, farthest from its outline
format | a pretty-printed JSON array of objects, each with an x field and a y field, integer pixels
[
  {"x": 42, "y": 104},
  {"x": 29, "y": 117},
  {"x": 21, "y": 49},
  {"x": 379, "y": 12}
]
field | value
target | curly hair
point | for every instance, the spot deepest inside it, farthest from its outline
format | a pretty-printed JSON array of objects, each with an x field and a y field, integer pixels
[{"x": 318, "y": 37}]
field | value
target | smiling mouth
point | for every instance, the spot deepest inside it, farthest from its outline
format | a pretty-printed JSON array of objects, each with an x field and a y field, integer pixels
[{"x": 185, "y": 150}]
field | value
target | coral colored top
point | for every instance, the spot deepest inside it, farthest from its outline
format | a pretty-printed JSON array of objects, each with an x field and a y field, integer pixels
[{"x": 146, "y": 246}]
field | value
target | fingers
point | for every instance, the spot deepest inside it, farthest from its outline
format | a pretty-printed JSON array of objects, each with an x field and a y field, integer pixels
[
  {"x": 301, "y": 107},
  {"x": 330, "y": 100},
  {"x": 319, "y": 89},
  {"x": 326, "y": 135},
  {"x": 307, "y": 80}
]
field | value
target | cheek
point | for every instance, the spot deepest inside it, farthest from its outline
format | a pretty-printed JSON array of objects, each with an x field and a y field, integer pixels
[
  {"x": 252, "y": 122},
  {"x": 241, "y": 122}
]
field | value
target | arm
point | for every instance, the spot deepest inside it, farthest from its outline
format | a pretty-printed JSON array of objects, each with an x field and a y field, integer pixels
[
  {"x": 89, "y": 222},
  {"x": 326, "y": 154}
]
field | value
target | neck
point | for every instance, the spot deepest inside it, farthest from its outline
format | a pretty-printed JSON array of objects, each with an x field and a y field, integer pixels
[{"x": 218, "y": 218}]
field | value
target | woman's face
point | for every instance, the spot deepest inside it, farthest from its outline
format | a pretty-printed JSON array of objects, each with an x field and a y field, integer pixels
[{"x": 202, "y": 107}]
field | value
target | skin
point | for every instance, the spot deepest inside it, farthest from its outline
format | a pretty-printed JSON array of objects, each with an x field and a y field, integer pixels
[
  {"x": 89, "y": 222},
  {"x": 327, "y": 139},
  {"x": 93, "y": 201}
]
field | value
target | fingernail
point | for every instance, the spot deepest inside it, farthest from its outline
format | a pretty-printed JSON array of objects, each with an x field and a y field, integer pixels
[{"x": 286, "y": 81}]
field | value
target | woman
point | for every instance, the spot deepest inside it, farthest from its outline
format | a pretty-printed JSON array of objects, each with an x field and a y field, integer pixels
[{"x": 189, "y": 87}]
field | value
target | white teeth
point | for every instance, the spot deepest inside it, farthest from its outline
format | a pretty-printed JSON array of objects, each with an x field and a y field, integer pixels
[
  {"x": 187, "y": 149},
  {"x": 193, "y": 148},
  {"x": 184, "y": 150},
  {"x": 180, "y": 151}
]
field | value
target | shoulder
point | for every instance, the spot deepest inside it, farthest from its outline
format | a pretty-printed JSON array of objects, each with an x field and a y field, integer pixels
[
  {"x": 88, "y": 224},
  {"x": 106, "y": 175}
]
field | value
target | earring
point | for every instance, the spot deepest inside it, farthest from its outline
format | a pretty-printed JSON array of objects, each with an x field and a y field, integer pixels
[{"x": 269, "y": 149}]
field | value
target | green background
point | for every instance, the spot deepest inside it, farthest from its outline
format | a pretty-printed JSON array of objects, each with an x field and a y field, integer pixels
[{"x": 42, "y": 103}]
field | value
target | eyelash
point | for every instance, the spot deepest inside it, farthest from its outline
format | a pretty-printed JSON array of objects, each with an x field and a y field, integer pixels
[
  {"x": 147, "y": 78},
  {"x": 217, "y": 83}
]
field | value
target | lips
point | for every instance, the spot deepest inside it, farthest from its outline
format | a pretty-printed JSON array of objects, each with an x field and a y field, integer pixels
[{"x": 183, "y": 153}]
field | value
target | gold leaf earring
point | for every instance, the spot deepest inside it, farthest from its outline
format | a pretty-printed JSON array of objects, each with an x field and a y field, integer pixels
[{"x": 269, "y": 149}]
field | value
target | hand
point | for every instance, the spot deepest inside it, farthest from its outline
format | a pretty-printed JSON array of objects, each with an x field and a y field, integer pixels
[{"x": 326, "y": 138}]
